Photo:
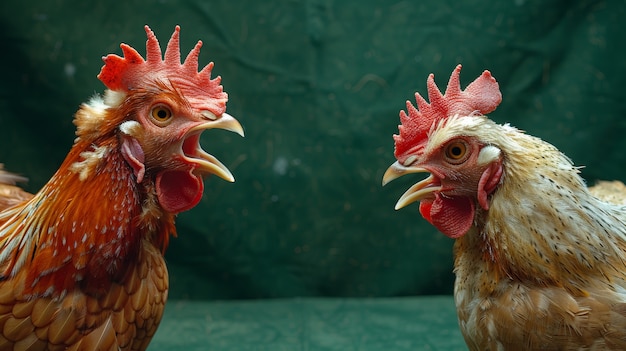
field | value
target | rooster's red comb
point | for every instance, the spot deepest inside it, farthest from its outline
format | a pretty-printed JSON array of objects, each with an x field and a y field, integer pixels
[
  {"x": 481, "y": 96},
  {"x": 133, "y": 72}
]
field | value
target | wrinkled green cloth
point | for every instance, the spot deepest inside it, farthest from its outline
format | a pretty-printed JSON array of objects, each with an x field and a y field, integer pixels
[
  {"x": 318, "y": 86},
  {"x": 312, "y": 324}
]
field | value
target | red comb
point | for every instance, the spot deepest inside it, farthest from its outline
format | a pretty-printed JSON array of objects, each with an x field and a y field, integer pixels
[
  {"x": 481, "y": 96},
  {"x": 133, "y": 72}
]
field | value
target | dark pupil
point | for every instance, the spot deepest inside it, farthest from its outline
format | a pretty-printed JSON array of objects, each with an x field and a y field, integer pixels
[
  {"x": 456, "y": 151},
  {"x": 162, "y": 113}
]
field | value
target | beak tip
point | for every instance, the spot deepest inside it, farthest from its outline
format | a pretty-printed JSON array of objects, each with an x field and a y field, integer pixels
[
  {"x": 227, "y": 176},
  {"x": 237, "y": 128},
  {"x": 393, "y": 172},
  {"x": 230, "y": 123}
]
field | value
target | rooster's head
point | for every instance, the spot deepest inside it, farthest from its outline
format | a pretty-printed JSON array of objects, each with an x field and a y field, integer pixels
[
  {"x": 443, "y": 138},
  {"x": 157, "y": 108}
]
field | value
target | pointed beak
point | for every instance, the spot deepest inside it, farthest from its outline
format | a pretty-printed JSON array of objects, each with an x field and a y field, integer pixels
[
  {"x": 418, "y": 191},
  {"x": 206, "y": 163}
]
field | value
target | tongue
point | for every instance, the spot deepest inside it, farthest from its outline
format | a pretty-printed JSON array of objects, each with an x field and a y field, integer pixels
[
  {"x": 451, "y": 216},
  {"x": 178, "y": 191}
]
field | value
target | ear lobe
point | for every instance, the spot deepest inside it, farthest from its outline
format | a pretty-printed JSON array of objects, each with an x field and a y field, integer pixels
[
  {"x": 133, "y": 154},
  {"x": 488, "y": 182}
]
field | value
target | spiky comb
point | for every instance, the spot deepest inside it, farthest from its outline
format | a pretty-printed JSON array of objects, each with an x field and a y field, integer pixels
[
  {"x": 133, "y": 72},
  {"x": 481, "y": 96}
]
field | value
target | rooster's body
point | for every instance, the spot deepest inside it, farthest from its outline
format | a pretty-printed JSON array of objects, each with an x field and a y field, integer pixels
[
  {"x": 81, "y": 261},
  {"x": 539, "y": 260}
]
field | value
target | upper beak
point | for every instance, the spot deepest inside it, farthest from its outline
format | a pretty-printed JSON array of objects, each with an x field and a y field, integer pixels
[
  {"x": 205, "y": 162},
  {"x": 418, "y": 191},
  {"x": 226, "y": 121}
]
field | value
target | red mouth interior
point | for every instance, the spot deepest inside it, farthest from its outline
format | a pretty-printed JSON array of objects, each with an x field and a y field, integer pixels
[{"x": 191, "y": 145}]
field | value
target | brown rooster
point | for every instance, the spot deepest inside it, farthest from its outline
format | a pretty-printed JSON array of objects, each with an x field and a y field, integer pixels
[
  {"x": 539, "y": 260},
  {"x": 81, "y": 261}
]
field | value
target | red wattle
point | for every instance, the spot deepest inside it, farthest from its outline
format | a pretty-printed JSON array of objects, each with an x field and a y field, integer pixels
[
  {"x": 451, "y": 216},
  {"x": 178, "y": 191},
  {"x": 425, "y": 207}
]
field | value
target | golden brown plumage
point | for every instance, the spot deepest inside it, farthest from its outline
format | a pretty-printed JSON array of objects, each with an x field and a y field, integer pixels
[
  {"x": 539, "y": 260},
  {"x": 81, "y": 261},
  {"x": 124, "y": 316}
]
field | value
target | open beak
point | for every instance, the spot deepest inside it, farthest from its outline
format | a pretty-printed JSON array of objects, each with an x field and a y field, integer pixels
[
  {"x": 418, "y": 191},
  {"x": 205, "y": 162}
]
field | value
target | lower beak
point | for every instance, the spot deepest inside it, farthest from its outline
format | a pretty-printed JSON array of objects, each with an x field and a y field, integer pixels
[
  {"x": 418, "y": 191},
  {"x": 205, "y": 162}
]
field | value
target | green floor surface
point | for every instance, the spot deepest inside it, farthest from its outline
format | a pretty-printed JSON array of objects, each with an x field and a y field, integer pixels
[{"x": 311, "y": 324}]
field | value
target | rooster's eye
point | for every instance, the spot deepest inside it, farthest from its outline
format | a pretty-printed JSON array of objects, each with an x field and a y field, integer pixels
[
  {"x": 161, "y": 114},
  {"x": 456, "y": 152}
]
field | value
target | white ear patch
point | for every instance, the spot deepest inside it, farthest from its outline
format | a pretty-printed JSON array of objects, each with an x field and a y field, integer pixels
[
  {"x": 488, "y": 154},
  {"x": 130, "y": 128}
]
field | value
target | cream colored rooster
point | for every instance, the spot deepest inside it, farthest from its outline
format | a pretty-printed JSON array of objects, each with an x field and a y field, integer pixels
[{"x": 539, "y": 260}]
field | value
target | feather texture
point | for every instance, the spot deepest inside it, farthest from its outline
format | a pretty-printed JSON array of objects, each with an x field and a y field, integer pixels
[
  {"x": 541, "y": 263},
  {"x": 81, "y": 261}
]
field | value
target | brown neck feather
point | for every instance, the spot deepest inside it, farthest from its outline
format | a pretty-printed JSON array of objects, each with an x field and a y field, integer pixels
[{"x": 86, "y": 226}]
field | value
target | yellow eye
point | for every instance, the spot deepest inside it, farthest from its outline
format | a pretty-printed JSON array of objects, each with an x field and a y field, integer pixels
[
  {"x": 456, "y": 152},
  {"x": 161, "y": 114}
]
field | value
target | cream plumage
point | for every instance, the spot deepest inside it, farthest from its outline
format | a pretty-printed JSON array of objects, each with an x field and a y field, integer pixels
[{"x": 539, "y": 260}]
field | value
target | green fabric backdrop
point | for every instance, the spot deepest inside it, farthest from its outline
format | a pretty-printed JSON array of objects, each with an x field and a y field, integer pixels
[{"x": 318, "y": 86}]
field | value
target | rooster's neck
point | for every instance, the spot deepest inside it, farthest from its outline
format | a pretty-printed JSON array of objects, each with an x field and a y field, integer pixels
[
  {"x": 544, "y": 226},
  {"x": 84, "y": 225}
]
